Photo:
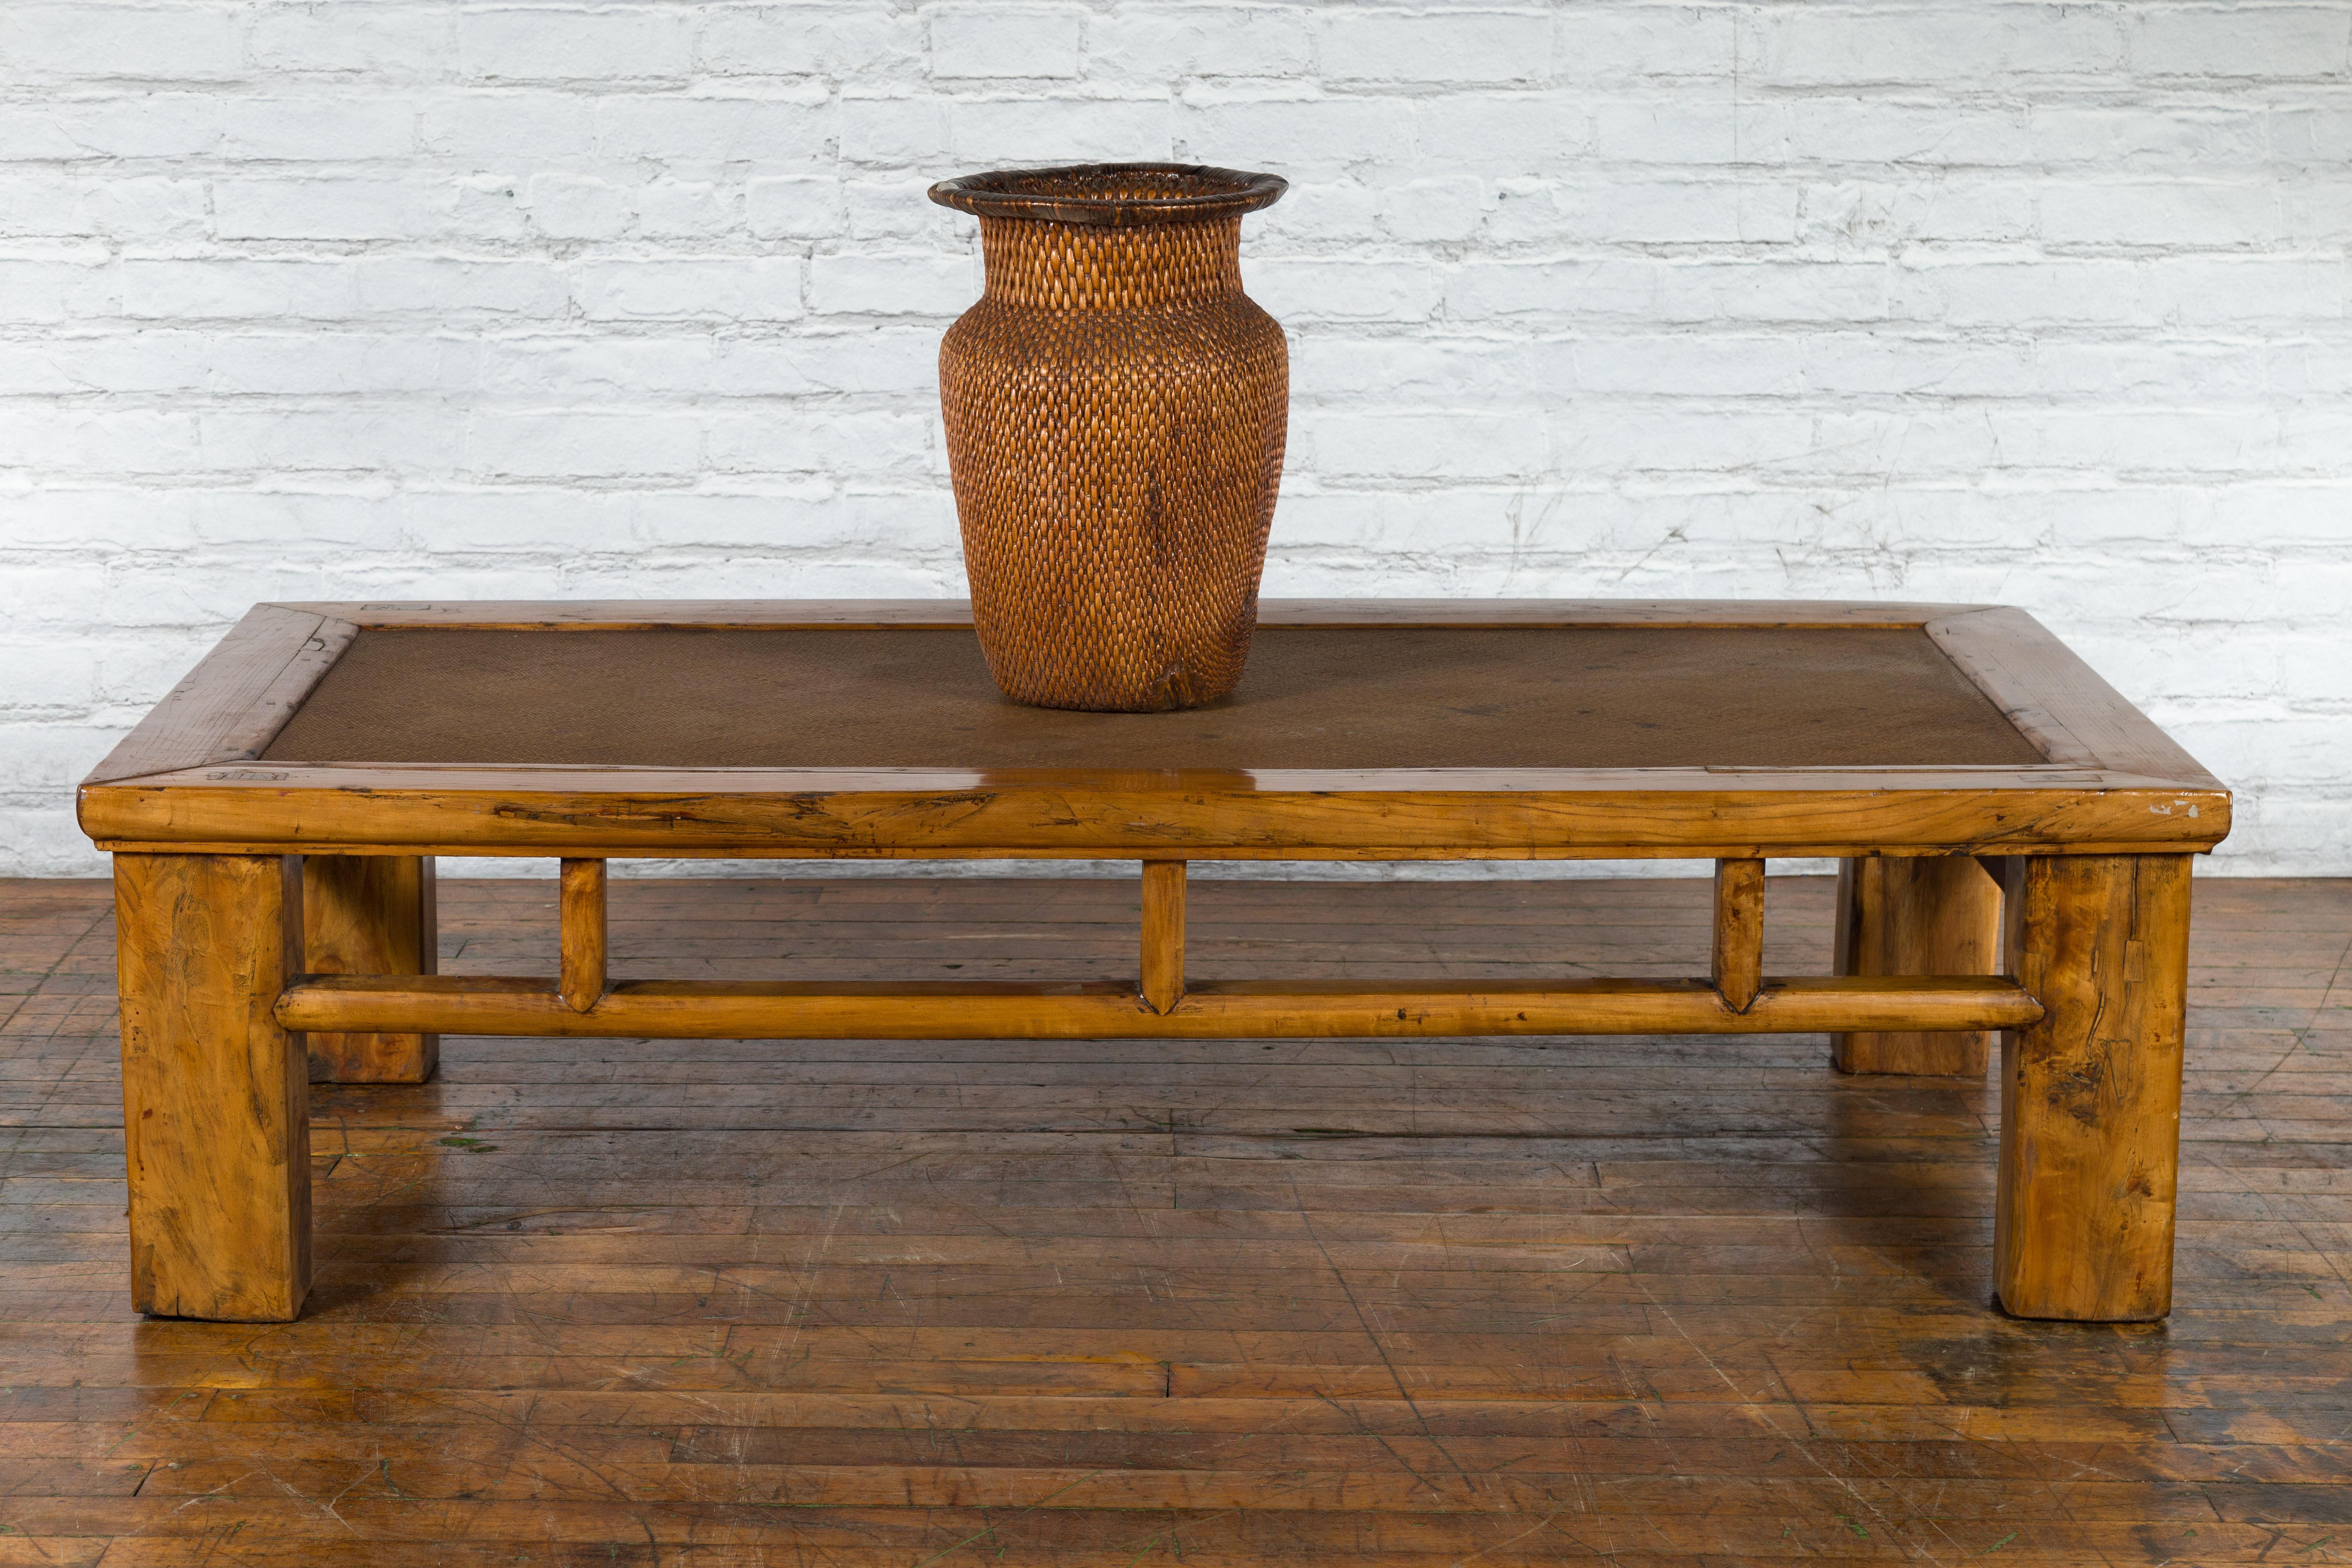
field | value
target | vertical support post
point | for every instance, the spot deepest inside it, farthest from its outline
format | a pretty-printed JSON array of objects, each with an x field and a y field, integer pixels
[
  {"x": 1737, "y": 961},
  {"x": 580, "y": 911},
  {"x": 1933, "y": 915},
  {"x": 1163, "y": 933},
  {"x": 370, "y": 914},
  {"x": 216, "y": 1101},
  {"x": 2090, "y": 1097}
]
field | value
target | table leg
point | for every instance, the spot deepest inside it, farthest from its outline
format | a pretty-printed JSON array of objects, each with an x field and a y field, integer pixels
[
  {"x": 216, "y": 1105},
  {"x": 1918, "y": 916},
  {"x": 370, "y": 914},
  {"x": 2090, "y": 1097}
]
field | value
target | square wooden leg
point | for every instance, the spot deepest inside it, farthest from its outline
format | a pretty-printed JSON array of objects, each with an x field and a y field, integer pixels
[
  {"x": 1917, "y": 915},
  {"x": 216, "y": 1102},
  {"x": 2090, "y": 1097},
  {"x": 370, "y": 914}
]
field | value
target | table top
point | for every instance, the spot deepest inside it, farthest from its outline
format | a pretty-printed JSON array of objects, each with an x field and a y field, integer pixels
[
  {"x": 1314, "y": 697},
  {"x": 872, "y": 728}
]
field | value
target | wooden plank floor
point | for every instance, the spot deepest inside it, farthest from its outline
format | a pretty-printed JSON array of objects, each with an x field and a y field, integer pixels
[{"x": 1647, "y": 1301}]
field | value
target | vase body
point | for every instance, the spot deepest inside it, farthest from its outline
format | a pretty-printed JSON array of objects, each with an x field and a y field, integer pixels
[{"x": 1116, "y": 408}]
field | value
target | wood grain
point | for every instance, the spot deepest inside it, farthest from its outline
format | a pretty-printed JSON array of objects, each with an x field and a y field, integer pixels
[
  {"x": 232, "y": 705},
  {"x": 215, "y": 1095},
  {"x": 2090, "y": 1108},
  {"x": 1209, "y": 1009},
  {"x": 580, "y": 893},
  {"x": 1736, "y": 957},
  {"x": 368, "y": 914},
  {"x": 2116, "y": 783},
  {"x": 2058, "y": 701},
  {"x": 1693, "y": 813},
  {"x": 1917, "y": 916},
  {"x": 1693, "y": 1302},
  {"x": 1162, "y": 967}
]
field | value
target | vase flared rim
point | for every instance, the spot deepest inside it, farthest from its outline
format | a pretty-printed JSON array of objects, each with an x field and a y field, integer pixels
[{"x": 1115, "y": 195}]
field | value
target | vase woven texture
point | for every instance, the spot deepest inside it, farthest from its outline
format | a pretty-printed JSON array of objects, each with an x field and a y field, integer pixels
[{"x": 1116, "y": 408}]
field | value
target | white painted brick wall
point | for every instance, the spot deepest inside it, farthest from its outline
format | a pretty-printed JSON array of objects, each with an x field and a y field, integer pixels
[{"x": 1927, "y": 298}]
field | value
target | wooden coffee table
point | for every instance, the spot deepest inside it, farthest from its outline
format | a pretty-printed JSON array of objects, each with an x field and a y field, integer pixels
[{"x": 2015, "y": 839}]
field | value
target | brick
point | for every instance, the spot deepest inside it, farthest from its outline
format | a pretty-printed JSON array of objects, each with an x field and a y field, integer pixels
[
  {"x": 147, "y": 208},
  {"x": 448, "y": 285},
  {"x": 902, "y": 362},
  {"x": 1679, "y": 133},
  {"x": 839, "y": 41},
  {"x": 490, "y": 126},
  {"x": 808, "y": 206},
  {"x": 1375, "y": 373},
  {"x": 1674, "y": 364},
  {"x": 1483, "y": 290},
  {"x": 121, "y": 362},
  {"x": 56, "y": 287},
  {"x": 727, "y": 288},
  {"x": 1306, "y": 290},
  {"x": 982, "y": 132},
  {"x": 826, "y": 441},
  {"x": 379, "y": 39},
  {"x": 335, "y": 129},
  {"x": 874, "y": 285},
  {"x": 2274, "y": 42},
  {"x": 1440, "y": 210},
  {"x": 387, "y": 208},
  {"x": 1872, "y": 131},
  {"x": 1167, "y": 45},
  {"x": 1621, "y": 43},
  {"x": 2175, "y": 213},
  {"x": 1428, "y": 446},
  {"x": 2215, "y": 290},
  {"x": 892, "y": 131},
  {"x": 1969, "y": 292},
  {"x": 1860, "y": 213},
  {"x": 1316, "y": 215},
  {"x": 1806, "y": 46},
  {"x": 576, "y": 206},
  {"x": 1463, "y": 130},
  {"x": 1317, "y": 138},
  {"x": 601, "y": 369},
  {"x": 902, "y": 211},
  {"x": 2168, "y": 137},
  {"x": 1452, "y": 44},
  {"x": 285, "y": 364},
  {"x": 769, "y": 130},
  {"x": 144, "y": 126},
  {"x": 325, "y": 440},
  {"x": 578, "y": 444},
  {"x": 263, "y": 286},
  {"x": 51, "y": 673},
  {"x": 1636, "y": 212},
  {"x": 547, "y": 44},
  {"x": 77, "y": 438},
  {"x": 1005, "y": 40},
  {"x": 96, "y": 40},
  {"x": 687, "y": 209}
]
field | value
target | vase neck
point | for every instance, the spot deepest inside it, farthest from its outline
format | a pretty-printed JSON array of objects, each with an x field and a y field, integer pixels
[{"x": 1090, "y": 267}]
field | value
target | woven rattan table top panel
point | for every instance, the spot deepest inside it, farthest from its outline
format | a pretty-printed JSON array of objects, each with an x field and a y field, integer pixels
[{"x": 1313, "y": 698}]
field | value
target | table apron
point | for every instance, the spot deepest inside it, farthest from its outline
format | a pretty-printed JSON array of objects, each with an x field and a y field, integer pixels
[{"x": 1744, "y": 819}]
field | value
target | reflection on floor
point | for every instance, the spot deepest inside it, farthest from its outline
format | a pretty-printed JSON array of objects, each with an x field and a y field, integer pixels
[{"x": 1655, "y": 1301}]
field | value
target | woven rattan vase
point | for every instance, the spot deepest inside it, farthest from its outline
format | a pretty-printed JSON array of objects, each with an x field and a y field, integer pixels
[{"x": 1115, "y": 408}]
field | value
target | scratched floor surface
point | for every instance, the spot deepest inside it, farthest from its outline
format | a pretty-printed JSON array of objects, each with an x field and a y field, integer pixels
[{"x": 1649, "y": 1301}]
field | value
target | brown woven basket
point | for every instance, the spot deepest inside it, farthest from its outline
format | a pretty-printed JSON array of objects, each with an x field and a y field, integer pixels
[{"x": 1116, "y": 408}]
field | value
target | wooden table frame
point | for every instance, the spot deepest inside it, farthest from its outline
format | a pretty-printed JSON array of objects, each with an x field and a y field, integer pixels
[{"x": 262, "y": 902}]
